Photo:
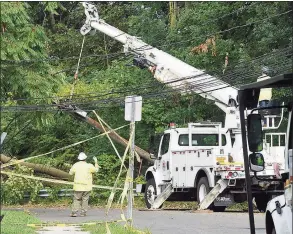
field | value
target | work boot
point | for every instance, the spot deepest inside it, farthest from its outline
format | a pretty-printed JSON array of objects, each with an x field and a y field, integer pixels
[
  {"x": 83, "y": 214},
  {"x": 73, "y": 214}
]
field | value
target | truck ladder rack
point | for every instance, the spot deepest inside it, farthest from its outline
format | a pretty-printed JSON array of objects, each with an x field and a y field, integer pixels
[
  {"x": 162, "y": 197},
  {"x": 213, "y": 194}
]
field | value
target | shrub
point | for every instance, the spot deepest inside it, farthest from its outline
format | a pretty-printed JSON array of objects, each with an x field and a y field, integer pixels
[{"x": 14, "y": 188}]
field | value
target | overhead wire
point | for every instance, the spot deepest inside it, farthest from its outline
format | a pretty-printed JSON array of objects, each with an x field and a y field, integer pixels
[
  {"x": 198, "y": 85},
  {"x": 220, "y": 31},
  {"x": 277, "y": 55},
  {"x": 201, "y": 88}
]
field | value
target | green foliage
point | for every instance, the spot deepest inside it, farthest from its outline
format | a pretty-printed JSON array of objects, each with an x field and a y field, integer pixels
[
  {"x": 140, "y": 180},
  {"x": 14, "y": 187},
  {"x": 24, "y": 41},
  {"x": 110, "y": 166}
]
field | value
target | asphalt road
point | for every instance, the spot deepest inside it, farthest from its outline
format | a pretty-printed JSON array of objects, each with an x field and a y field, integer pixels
[{"x": 165, "y": 221}]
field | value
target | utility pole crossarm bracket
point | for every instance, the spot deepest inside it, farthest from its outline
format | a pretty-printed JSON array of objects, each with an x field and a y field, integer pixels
[{"x": 73, "y": 109}]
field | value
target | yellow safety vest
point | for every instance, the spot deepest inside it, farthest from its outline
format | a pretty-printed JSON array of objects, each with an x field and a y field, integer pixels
[{"x": 83, "y": 179}]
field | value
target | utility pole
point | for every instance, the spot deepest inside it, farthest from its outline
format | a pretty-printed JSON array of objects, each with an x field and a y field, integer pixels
[
  {"x": 131, "y": 161},
  {"x": 133, "y": 106}
]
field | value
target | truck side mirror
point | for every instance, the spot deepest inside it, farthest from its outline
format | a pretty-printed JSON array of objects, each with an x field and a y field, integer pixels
[
  {"x": 256, "y": 162},
  {"x": 254, "y": 132}
]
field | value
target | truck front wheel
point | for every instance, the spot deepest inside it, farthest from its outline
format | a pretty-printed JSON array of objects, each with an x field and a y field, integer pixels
[{"x": 150, "y": 192}]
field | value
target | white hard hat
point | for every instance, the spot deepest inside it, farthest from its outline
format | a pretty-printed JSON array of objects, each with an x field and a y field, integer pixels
[{"x": 82, "y": 156}]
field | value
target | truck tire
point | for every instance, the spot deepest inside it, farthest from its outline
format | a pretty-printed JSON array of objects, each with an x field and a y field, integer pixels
[
  {"x": 150, "y": 192},
  {"x": 202, "y": 188},
  {"x": 261, "y": 201}
]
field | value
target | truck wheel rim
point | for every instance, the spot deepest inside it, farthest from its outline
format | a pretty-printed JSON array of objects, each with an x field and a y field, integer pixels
[
  {"x": 202, "y": 192},
  {"x": 151, "y": 194}
]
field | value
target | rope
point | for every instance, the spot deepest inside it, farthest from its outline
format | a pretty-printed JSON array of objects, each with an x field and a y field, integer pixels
[
  {"x": 62, "y": 148},
  {"x": 77, "y": 69}
]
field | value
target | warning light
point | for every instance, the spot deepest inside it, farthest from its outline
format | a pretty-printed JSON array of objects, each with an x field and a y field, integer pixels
[{"x": 172, "y": 125}]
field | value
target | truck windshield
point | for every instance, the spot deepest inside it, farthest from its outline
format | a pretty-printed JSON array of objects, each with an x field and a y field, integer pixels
[{"x": 201, "y": 140}]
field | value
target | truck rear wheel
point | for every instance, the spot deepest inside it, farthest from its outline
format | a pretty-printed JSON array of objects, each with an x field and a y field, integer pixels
[{"x": 150, "y": 192}]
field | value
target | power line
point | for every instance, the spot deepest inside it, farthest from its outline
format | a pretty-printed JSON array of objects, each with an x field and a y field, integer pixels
[
  {"x": 177, "y": 88},
  {"x": 117, "y": 100},
  {"x": 221, "y": 31},
  {"x": 229, "y": 77},
  {"x": 198, "y": 85}
]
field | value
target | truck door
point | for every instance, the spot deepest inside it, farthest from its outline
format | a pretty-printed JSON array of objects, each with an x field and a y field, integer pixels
[{"x": 164, "y": 154}]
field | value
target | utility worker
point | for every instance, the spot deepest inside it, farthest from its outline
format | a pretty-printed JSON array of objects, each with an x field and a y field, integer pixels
[{"x": 83, "y": 183}]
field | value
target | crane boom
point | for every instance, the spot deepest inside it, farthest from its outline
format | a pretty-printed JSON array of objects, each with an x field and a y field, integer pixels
[{"x": 165, "y": 67}]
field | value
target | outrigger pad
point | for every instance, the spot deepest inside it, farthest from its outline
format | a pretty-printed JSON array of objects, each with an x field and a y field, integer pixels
[
  {"x": 162, "y": 197},
  {"x": 213, "y": 194}
]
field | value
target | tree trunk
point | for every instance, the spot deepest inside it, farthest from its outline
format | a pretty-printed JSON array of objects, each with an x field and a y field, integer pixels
[
  {"x": 40, "y": 168},
  {"x": 52, "y": 22},
  {"x": 173, "y": 14}
]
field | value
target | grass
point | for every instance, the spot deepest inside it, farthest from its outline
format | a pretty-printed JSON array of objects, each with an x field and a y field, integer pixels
[
  {"x": 115, "y": 229},
  {"x": 14, "y": 222}
]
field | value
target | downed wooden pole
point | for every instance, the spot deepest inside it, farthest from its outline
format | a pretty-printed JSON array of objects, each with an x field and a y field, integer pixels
[
  {"x": 40, "y": 168},
  {"x": 114, "y": 136},
  {"x": 82, "y": 115}
]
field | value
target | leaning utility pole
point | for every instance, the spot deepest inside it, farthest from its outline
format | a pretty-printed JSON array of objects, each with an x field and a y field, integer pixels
[{"x": 82, "y": 115}]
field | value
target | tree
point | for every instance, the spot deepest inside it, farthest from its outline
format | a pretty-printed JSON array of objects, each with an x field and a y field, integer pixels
[{"x": 24, "y": 41}]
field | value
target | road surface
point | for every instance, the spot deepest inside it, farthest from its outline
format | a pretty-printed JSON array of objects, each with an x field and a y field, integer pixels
[{"x": 165, "y": 221}]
